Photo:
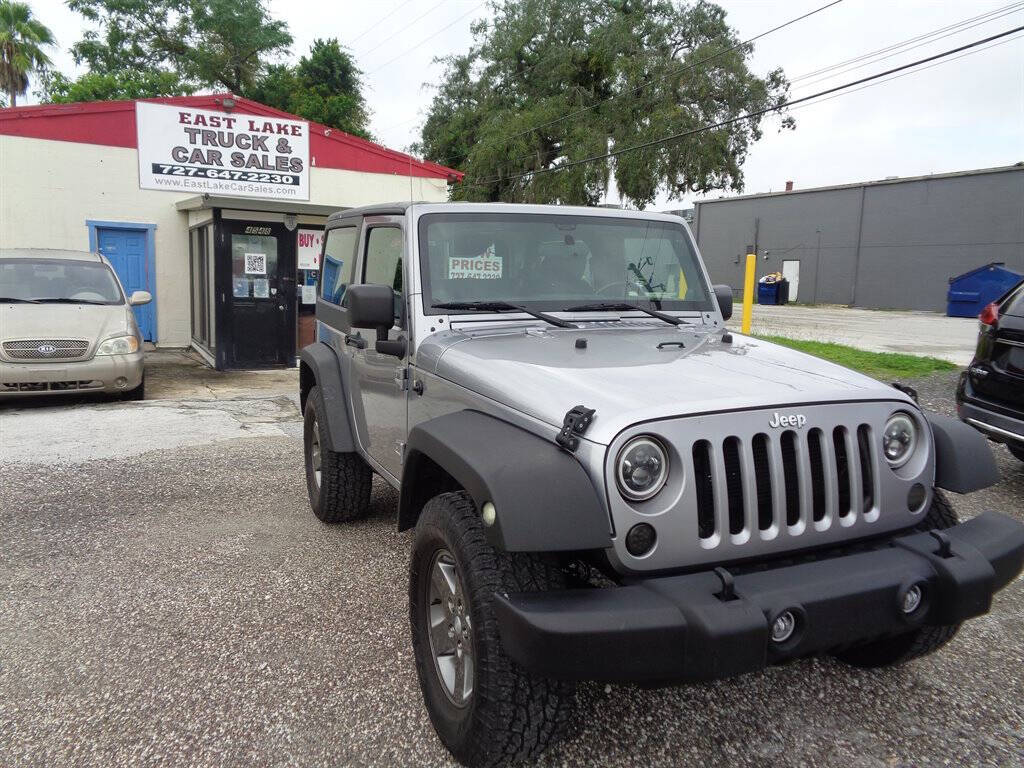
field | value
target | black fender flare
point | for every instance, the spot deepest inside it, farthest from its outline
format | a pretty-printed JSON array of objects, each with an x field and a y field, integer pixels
[
  {"x": 543, "y": 497},
  {"x": 963, "y": 458},
  {"x": 319, "y": 365}
]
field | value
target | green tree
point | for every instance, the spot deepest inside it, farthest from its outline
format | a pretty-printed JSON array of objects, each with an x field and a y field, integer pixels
[
  {"x": 205, "y": 43},
  {"x": 22, "y": 39},
  {"x": 554, "y": 81},
  {"x": 324, "y": 86},
  {"x": 122, "y": 84}
]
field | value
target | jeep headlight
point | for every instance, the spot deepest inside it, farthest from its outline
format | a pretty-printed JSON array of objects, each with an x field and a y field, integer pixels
[
  {"x": 642, "y": 468},
  {"x": 899, "y": 439},
  {"x": 119, "y": 345}
]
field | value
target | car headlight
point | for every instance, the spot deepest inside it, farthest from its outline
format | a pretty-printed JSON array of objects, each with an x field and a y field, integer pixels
[
  {"x": 119, "y": 345},
  {"x": 642, "y": 468},
  {"x": 899, "y": 439}
]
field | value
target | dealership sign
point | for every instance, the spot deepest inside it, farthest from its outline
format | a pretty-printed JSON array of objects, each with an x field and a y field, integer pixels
[{"x": 182, "y": 149}]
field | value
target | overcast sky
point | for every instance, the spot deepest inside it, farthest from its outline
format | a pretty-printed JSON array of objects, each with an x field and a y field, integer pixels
[{"x": 964, "y": 114}]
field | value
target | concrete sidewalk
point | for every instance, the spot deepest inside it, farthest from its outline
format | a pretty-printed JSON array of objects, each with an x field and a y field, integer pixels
[
  {"x": 914, "y": 333},
  {"x": 180, "y": 374}
]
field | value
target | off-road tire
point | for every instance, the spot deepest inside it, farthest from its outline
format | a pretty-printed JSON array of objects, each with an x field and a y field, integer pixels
[
  {"x": 343, "y": 493},
  {"x": 1016, "y": 450},
  {"x": 511, "y": 715},
  {"x": 139, "y": 393},
  {"x": 891, "y": 651}
]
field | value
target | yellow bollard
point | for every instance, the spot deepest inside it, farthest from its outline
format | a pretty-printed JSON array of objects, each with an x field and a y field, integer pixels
[{"x": 748, "y": 293}]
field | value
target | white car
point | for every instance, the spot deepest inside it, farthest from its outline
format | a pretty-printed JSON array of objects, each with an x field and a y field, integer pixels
[{"x": 66, "y": 326}]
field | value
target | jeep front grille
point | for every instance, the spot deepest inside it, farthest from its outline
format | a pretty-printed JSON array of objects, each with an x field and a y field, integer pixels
[
  {"x": 39, "y": 349},
  {"x": 755, "y": 487},
  {"x": 741, "y": 486}
]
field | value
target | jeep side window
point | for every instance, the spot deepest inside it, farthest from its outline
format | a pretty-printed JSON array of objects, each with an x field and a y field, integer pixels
[
  {"x": 383, "y": 265},
  {"x": 338, "y": 263}
]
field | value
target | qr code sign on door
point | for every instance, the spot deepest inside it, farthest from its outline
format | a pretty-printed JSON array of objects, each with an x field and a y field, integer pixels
[{"x": 255, "y": 263}]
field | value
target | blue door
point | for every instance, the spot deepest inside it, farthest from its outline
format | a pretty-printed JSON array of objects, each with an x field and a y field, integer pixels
[{"x": 125, "y": 249}]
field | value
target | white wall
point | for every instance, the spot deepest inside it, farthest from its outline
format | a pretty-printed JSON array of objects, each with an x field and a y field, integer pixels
[{"x": 48, "y": 189}]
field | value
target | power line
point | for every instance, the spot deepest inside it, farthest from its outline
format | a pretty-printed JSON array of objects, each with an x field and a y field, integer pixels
[
  {"x": 750, "y": 115},
  {"x": 906, "y": 50},
  {"x": 685, "y": 68},
  {"x": 1011, "y": 7},
  {"x": 380, "y": 21},
  {"x": 426, "y": 39},
  {"x": 916, "y": 71},
  {"x": 395, "y": 34}
]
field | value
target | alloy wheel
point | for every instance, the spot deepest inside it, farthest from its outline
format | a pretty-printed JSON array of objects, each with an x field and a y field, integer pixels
[
  {"x": 450, "y": 629},
  {"x": 315, "y": 459}
]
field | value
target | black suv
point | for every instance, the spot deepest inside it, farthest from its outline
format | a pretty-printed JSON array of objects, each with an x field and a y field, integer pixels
[{"x": 990, "y": 396}]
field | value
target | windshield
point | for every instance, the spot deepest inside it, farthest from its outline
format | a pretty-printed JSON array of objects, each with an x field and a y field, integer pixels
[
  {"x": 556, "y": 261},
  {"x": 58, "y": 280}
]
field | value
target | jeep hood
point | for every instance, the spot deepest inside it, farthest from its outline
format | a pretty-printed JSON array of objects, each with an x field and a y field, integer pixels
[
  {"x": 627, "y": 378},
  {"x": 63, "y": 321}
]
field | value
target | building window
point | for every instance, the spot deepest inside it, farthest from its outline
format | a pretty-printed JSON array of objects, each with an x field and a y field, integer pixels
[{"x": 338, "y": 263}]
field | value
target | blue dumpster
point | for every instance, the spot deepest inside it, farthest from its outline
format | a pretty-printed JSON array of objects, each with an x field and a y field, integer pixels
[
  {"x": 971, "y": 291},
  {"x": 767, "y": 293}
]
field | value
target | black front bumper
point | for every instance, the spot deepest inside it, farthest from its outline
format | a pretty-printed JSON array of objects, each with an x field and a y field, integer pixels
[{"x": 682, "y": 628}]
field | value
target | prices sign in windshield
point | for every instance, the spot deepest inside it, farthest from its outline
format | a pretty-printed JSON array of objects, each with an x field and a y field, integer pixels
[
  {"x": 197, "y": 150},
  {"x": 485, "y": 266}
]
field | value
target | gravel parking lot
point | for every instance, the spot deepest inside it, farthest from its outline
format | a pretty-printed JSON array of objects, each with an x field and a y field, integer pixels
[{"x": 174, "y": 602}]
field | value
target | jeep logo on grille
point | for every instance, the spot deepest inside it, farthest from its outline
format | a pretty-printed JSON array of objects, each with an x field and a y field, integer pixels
[
  {"x": 778, "y": 420},
  {"x": 46, "y": 349}
]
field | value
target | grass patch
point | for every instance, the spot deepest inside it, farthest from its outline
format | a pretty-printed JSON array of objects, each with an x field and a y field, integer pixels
[{"x": 881, "y": 365}]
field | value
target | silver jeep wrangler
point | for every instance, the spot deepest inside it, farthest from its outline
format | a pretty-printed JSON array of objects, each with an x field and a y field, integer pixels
[{"x": 605, "y": 483}]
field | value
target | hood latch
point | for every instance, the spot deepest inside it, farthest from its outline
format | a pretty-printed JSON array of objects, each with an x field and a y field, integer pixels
[{"x": 575, "y": 423}]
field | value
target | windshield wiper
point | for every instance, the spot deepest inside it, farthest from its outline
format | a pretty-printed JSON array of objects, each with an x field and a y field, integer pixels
[
  {"x": 65, "y": 300},
  {"x": 17, "y": 300},
  {"x": 503, "y": 306},
  {"x": 624, "y": 306}
]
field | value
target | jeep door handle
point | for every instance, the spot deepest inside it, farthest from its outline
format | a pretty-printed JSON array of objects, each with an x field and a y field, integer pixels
[{"x": 355, "y": 340}]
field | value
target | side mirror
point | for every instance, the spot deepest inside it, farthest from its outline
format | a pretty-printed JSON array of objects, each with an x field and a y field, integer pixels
[
  {"x": 373, "y": 306},
  {"x": 724, "y": 295},
  {"x": 139, "y": 298}
]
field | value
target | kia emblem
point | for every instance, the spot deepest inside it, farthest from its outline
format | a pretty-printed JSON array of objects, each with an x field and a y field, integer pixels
[{"x": 46, "y": 349}]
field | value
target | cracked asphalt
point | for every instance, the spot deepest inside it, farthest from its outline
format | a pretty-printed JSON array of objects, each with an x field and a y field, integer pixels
[{"x": 171, "y": 600}]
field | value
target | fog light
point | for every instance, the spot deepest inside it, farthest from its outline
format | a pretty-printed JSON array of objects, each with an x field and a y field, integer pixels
[
  {"x": 916, "y": 497},
  {"x": 640, "y": 539},
  {"x": 120, "y": 382},
  {"x": 783, "y": 626},
  {"x": 911, "y": 600},
  {"x": 489, "y": 514}
]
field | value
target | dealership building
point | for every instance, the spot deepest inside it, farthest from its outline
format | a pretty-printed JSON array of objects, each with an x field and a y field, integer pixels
[
  {"x": 889, "y": 244},
  {"x": 214, "y": 204}
]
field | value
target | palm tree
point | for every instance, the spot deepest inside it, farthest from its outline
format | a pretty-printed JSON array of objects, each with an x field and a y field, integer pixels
[{"x": 21, "y": 47}]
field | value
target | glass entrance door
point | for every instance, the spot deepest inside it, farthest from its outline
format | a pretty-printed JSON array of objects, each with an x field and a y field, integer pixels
[{"x": 261, "y": 297}]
